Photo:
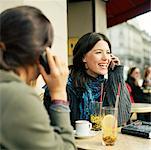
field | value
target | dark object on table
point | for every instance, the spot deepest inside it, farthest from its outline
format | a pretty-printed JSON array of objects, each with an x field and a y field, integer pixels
[{"x": 138, "y": 128}]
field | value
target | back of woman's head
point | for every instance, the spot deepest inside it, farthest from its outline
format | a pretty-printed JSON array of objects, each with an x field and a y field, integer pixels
[
  {"x": 25, "y": 33},
  {"x": 84, "y": 45}
]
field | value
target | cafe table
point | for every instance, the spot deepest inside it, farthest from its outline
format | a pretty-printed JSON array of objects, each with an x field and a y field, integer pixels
[
  {"x": 140, "y": 108},
  {"x": 124, "y": 142}
]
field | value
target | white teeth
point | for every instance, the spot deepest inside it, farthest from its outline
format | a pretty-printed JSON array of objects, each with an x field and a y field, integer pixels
[{"x": 103, "y": 65}]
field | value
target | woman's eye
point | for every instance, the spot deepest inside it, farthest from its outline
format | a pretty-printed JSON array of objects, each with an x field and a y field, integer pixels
[
  {"x": 98, "y": 52},
  {"x": 108, "y": 52}
]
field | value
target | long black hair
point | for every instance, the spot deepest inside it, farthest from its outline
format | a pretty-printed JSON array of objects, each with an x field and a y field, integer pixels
[
  {"x": 83, "y": 46},
  {"x": 24, "y": 32}
]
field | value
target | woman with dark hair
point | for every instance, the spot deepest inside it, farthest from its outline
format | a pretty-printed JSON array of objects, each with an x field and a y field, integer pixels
[
  {"x": 133, "y": 77},
  {"x": 137, "y": 93},
  {"x": 92, "y": 59},
  {"x": 26, "y": 34}
]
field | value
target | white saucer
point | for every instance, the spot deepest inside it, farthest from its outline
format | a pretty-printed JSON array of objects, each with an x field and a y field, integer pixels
[{"x": 91, "y": 134}]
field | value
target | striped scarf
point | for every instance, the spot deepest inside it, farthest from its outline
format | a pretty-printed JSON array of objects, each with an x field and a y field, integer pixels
[{"x": 92, "y": 93}]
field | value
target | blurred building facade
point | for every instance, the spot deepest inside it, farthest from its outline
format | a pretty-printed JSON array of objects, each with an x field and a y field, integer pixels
[{"x": 130, "y": 44}]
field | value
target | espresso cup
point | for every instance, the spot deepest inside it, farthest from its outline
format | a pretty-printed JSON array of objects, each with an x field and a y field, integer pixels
[{"x": 83, "y": 127}]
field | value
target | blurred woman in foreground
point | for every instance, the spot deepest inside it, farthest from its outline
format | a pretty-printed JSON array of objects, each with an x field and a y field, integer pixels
[{"x": 25, "y": 34}]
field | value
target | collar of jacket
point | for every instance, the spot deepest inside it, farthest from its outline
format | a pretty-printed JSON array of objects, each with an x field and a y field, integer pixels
[{"x": 7, "y": 76}]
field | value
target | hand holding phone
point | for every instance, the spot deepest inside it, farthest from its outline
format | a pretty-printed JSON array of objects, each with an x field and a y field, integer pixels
[
  {"x": 56, "y": 80},
  {"x": 114, "y": 61}
]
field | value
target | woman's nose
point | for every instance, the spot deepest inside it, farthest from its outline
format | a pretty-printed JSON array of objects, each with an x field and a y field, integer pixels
[{"x": 104, "y": 56}]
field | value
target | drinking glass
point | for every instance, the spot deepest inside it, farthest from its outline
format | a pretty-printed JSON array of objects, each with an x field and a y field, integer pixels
[
  {"x": 95, "y": 116},
  {"x": 109, "y": 126}
]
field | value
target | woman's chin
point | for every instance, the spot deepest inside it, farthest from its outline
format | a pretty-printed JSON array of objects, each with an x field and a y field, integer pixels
[{"x": 103, "y": 72}]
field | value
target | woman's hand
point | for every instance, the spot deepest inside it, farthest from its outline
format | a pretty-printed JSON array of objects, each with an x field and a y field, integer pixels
[
  {"x": 114, "y": 61},
  {"x": 57, "y": 79}
]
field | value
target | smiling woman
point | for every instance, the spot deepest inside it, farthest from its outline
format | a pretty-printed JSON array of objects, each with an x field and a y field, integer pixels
[
  {"x": 92, "y": 59},
  {"x": 98, "y": 59}
]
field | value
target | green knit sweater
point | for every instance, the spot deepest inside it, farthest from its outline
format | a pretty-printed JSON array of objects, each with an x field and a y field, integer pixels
[{"x": 24, "y": 122}]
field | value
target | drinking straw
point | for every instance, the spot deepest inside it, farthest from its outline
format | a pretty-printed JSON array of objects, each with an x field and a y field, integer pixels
[
  {"x": 101, "y": 97},
  {"x": 118, "y": 95},
  {"x": 117, "y": 98},
  {"x": 116, "y": 103}
]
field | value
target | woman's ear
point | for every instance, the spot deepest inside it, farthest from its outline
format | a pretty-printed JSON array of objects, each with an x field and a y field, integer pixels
[
  {"x": 2, "y": 46},
  {"x": 85, "y": 63},
  {"x": 84, "y": 60}
]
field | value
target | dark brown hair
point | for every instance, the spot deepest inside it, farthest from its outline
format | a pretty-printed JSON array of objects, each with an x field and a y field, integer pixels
[
  {"x": 25, "y": 32},
  {"x": 83, "y": 46},
  {"x": 130, "y": 71}
]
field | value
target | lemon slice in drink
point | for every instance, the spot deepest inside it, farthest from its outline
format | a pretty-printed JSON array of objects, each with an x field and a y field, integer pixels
[
  {"x": 109, "y": 121},
  {"x": 109, "y": 129},
  {"x": 109, "y": 125}
]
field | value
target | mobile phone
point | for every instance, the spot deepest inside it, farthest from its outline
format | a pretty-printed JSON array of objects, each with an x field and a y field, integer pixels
[
  {"x": 111, "y": 65},
  {"x": 43, "y": 61}
]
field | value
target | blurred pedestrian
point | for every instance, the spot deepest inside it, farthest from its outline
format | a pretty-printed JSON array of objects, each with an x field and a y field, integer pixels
[
  {"x": 147, "y": 78},
  {"x": 133, "y": 78}
]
